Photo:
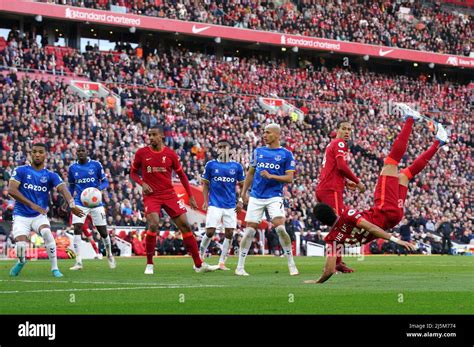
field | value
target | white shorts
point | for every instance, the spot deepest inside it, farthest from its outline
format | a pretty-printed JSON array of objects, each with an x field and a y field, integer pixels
[
  {"x": 256, "y": 209},
  {"x": 221, "y": 216},
  {"x": 23, "y": 225},
  {"x": 97, "y": 214}
]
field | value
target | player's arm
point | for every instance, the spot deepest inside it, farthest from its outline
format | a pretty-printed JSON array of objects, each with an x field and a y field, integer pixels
[
  {"x": 135, "y": 171},
  {"x": 205, "y": 193},
  {"x": 329, "y": 269},
  {"x": 184, "y": 181},
  {"x": 247, "y": 184},
  {"x": 71, "y": 181},
  {"x": 68, "y": 197},
  {"x": 286, "y": 178},
  {"x": 344, "y": 169},
  {"x": 380, "y": 233},
  {"x": 14, "y": 192},
  {"x": 240, "y": 202},
  {"x": 104, "y": 182}
]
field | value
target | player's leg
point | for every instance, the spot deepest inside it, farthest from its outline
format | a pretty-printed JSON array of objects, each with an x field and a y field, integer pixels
[
  {"x": 276, "y": 210},
  {"x": 41, "y": 224},
  {"x": 78, "y": 224},
  {"x": 206, "y": 240},
  {"x": 188, "y": 239},
  {"x": 229, "y": 220},
  {"x": 153, "y": 219},
  {"x": 77, "y": 246},
  {"x": 253, "y": 217},
  {"x": 229, "y": 234},
  {"x": 420, "y": 163},
  {"x": 100, "y": 222},
  {"x": 21, "y": 230},
  {"x": 213, "y": 219}
]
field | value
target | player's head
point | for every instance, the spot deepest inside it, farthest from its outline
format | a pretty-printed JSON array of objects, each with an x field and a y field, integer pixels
[
  {"x": 155, "y": 135},
  {"x": 325, "y": 214},
  {"x": 223, "y": 150},
  {"x": 344, "y": 130},
  {"x": 38, "y": 153},
  {"x": 81, "y": 153},
  {"x": 272, "y": 134}
]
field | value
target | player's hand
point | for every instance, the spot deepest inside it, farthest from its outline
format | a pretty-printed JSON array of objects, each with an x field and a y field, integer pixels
[
  {"x": 351, "y": 185},
  {"x": 204, "y": 206},
  {"x": 39, "y": 209},
  {"x": 361, "y": 187},
  {"x": 146, "y": 188},
  {"x": 265, "y": 174},
  {"x": 409, "y": 246},
  {"x": 240, "y": 206},
  {"x": 77, "y": 211},
  {"x": 245, "y": 199},
  {"x": 193, "y": 203}
]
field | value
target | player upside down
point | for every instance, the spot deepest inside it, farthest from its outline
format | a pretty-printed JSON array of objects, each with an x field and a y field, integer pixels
[{"x": 354, "y": 227}]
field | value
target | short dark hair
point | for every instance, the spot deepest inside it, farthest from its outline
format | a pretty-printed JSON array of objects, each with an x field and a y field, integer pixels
[
  {"x": 40, "y": 144},
  {"x": 222, "y": 140},
  {"x": 325, "y": 214},
  {"x": 339, "y": 123},
  {"x": 157, "y": 127}
]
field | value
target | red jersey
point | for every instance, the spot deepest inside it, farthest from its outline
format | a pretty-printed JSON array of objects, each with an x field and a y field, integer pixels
[
  {"x": 156, "y": 168},
  {"x": 345, "y": 230},
  {"x": 330, "y": 177}
]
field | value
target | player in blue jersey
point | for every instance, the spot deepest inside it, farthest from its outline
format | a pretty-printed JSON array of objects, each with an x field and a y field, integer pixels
[
  {"x": 220, "y": 179},
  {"x": 85, "y": 173},
  {"x": 270, "y": 168},
  {"x": 30, "y": 186}
]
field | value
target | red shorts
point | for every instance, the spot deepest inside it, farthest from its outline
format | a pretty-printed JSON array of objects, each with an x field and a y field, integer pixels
[
  {"x": 389, "y": 200},
  {"x": 170, "y": 203},
  {"x": 332, "y": 198}
]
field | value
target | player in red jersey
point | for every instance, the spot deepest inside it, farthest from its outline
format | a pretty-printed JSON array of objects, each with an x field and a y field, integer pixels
[
  {"x": 335, "y": 175},
  {"x": 152, "y": 168},
  {"x": 353, "y": 227}
]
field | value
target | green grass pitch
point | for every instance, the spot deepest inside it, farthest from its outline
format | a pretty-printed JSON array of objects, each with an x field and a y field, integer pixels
[{"x": 380, "y": 285}]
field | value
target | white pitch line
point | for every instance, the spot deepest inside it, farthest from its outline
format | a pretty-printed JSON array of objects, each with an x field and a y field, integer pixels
[
  {"x": 104, "y": 282},
  {"x": 89, "y": 289}
]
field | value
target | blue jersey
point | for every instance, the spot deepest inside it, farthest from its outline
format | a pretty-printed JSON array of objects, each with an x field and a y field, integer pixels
[
  {"x": 35, "y": 185},
  {"x": 277, "y": 161},
  {"x": 82, "y": 176},
  {"x": 222, "y": 178}
]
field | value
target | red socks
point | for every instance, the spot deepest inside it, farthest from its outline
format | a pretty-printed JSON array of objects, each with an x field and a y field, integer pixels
[
  {"x": 94, "y": 245},
  {"x": 192, "y": 247},
  {"x": 150, "y": 243},
  {"x": 400, "y": 144},
  {"x": 338, "y": 260},
  {"x": 421, "y": 162}
]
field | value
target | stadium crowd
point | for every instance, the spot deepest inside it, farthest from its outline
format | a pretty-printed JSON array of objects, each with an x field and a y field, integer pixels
[
  {"x": 199, "y": 99},
  {"x": 404, "y": 24}
]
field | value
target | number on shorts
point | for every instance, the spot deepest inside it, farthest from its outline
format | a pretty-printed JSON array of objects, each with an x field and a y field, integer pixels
[{"x": 181, "y": 204}]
